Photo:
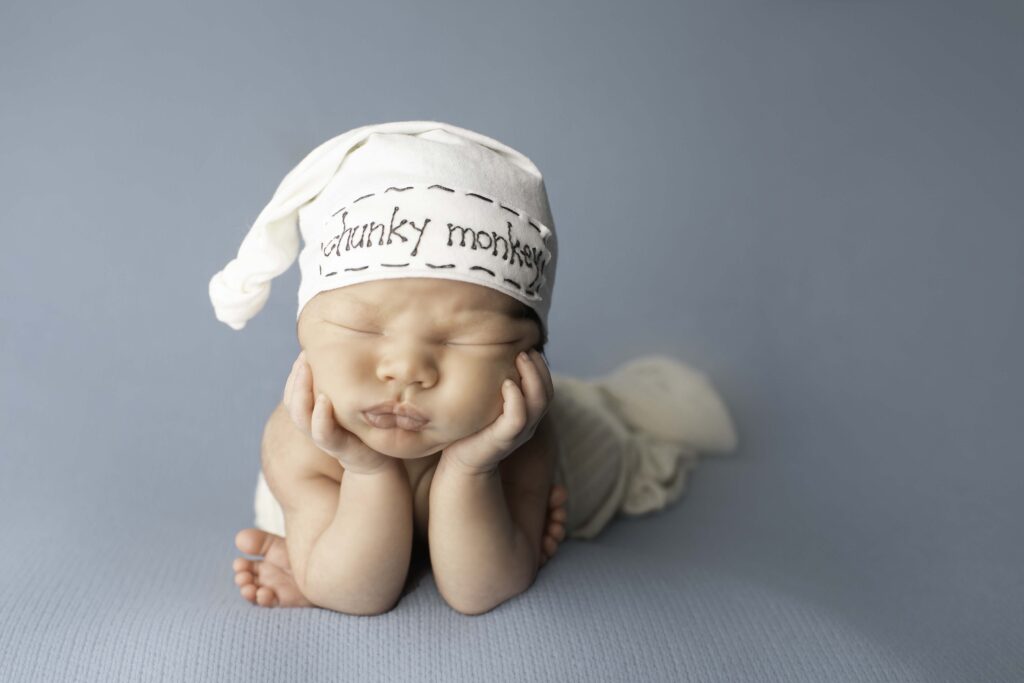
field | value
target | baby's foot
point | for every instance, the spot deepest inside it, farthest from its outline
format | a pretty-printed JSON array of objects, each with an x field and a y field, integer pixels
[
  {"x": 267, "y": 582},
  {"x": 554, "y": 531}
]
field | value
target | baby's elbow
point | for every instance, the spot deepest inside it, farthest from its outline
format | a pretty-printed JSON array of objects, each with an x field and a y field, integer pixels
[
  {"x": 356, "y": 606},
  {"x": 468, "y": 609},
  {"x": 375, "y": 612},
  {"x": 482, "y": 607},
  {"x": 478, "y": 606},
  {"x": 354, "y": 610}
]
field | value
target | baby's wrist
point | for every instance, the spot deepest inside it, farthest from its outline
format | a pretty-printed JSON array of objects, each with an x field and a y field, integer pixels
[
  {"x": 456, "y": 465},
  {"x": 384, "y": 467}
]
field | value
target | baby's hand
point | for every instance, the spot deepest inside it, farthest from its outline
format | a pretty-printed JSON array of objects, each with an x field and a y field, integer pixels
[
  {"x": 315, "y": 418},
  {"x": 522, "y": 411}
]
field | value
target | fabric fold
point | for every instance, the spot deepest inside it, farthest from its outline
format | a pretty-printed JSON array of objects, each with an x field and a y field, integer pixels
[
  {"x": 629, "y": 439},
  {"x": 674, "y": 415}
]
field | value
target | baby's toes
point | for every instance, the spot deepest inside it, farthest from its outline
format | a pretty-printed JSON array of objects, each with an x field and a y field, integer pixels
[
  {"x": 244, "y": 578},
  {"x": 253, "y": 541},
  {"x": 242, "y": 564},
  {"x": 248, "y": 592},
  {"x": 550, "y": 545},
  {"x": 558, "y": 514},
  {"x": 557, "y": 530},
  {"x": 559, "y": 495},
  {"x": 265, "y": 596}
]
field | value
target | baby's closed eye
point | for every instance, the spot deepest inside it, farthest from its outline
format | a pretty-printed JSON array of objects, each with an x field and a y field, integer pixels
[
  {"x": 468, "y": 339},
  {"x": 481, "y": 342}
]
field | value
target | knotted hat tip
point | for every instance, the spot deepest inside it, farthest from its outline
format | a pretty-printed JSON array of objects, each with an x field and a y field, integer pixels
[{"x": 233, "y": 305}]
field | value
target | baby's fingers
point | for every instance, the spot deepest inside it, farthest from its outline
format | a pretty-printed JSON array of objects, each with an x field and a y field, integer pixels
[
  {"x": 290, "y": 382},
  {"x": 325, "y": 430},
  {"x": 300, "y": 401}
]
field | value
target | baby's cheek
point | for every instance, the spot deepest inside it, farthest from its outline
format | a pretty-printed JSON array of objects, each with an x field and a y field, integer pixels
[
  {"x": 483, "y": 403},
  {"x": 331, "y": 380},
  {"x": 505, "y": 368},
  {"x": 321, "y": 379}
]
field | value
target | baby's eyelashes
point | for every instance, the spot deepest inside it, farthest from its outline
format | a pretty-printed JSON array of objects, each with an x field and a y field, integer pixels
[{"x": 479, "y": 343}]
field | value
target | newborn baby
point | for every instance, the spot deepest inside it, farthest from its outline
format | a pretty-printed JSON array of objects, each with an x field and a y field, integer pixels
[
  {"x": 420, "y": 419},
  {"x": 464, "y": 457}
]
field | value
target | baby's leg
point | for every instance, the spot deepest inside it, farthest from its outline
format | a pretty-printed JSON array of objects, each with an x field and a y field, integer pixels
[{"x": 268, "y": 581}]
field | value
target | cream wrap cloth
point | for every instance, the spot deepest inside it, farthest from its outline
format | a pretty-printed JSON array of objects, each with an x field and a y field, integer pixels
[{"x": 627, "y": 442}]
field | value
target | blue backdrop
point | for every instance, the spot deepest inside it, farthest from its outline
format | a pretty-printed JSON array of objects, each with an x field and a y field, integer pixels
[{"x": 818, "y": 204}]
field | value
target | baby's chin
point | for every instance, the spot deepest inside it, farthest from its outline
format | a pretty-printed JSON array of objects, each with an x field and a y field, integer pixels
[
  {"x": 406, "y": 444},
  {"x": 402, "y": 443}
]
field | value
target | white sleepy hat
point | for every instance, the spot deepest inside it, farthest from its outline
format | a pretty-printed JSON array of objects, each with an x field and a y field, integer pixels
[{"x": 399, "y": 199}]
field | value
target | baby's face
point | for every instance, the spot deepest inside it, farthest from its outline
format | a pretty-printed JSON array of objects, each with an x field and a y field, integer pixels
[{"x": 442, "y": 346}]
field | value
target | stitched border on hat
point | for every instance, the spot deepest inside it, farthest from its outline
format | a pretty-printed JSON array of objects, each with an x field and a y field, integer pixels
[{"x": 545, "y": 234}]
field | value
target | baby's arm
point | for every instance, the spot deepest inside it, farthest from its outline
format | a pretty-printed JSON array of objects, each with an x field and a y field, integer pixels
[
  {"x": 349, "y": 541},
  {"x": 485, "y": 530}
]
